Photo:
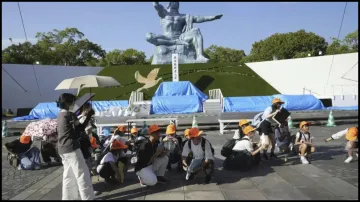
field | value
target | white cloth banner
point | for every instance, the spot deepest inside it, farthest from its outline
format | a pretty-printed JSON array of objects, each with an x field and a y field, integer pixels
[{"x": 175, "y": 67}]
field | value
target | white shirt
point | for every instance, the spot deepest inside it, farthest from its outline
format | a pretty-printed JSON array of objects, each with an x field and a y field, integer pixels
[
  {"x": 304, "y": 137},
  {"x": 197, "y": 151},
  {"x": 340, "y": 134},
  {"x": 277, "y": 137},
  {"x": 244, "y": 145},
  {"x": 266, "y": 113},
  {"x": 109, "y": 157}
]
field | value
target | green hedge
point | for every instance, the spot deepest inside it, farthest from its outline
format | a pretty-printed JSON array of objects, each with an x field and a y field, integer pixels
[{"x": 232, "y": 79}]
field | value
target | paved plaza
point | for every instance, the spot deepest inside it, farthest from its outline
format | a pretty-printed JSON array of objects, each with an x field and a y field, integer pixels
[{"x": 327, "y": 178}]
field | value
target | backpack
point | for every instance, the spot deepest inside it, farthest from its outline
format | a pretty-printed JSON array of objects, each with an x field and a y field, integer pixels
[
  {"x": 135, "y": 152},
  {"x": 14, "y": 159},
  {"x": 203, "y": 141},
  {"x": 227, "y": 148},
  {"x": 257, "y": 120}
]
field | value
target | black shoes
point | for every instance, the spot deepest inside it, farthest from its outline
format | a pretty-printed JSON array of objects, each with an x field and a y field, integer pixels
[
  {"x": 272, "y": 155},
  {"x": 162, "y": 180},
  {"x": 265, "y": 157},
  {"x": 207, "y": 179}
]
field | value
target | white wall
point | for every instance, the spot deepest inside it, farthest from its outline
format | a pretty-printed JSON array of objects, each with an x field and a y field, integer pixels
[
  {"x": 291, "y": 76},
  {"x": 13, "y": 96}
]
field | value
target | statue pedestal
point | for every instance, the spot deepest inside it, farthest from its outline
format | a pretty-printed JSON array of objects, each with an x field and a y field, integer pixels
[{"x": 163, "y": 54}]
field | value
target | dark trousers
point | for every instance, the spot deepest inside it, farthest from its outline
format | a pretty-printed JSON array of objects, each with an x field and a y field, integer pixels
[{"x": 49, "y": 150}]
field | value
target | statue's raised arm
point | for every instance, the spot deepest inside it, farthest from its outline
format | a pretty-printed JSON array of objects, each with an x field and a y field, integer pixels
[
  {"x": 201, "y": 19},
  {"x": 160, "y": 9}
]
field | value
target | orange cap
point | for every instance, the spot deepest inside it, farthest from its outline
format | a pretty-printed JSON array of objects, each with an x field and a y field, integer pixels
[
  {"x": 25, "y": 139},
  {"x": 153, "y": 128},
  {"x": 277, "y": 100},
  {"x": 134, "y": 130},
  {"x": 93, "y": 142},
  {"x": 243, "y": 122},
  {"x": 186, "y": 132},
  {"x": 352, "y": 134},
  {"x": 303, "y": 123},
  {"x": 117, "y": 145},
  {"x": 194, "y": 132},
  {"x": 122, "y": 128},
  {"x": 171, "y": 129},
  {"x": 248, "y": 129}
]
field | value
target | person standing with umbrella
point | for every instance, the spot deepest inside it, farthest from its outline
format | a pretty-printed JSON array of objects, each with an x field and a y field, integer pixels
[{"x": 76, "y": 176}]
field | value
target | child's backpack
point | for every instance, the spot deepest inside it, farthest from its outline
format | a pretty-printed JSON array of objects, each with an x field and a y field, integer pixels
[
  {"x": 203, "y": 141},
  {"x": 14, "y": 159},
  {"x": 257, "y": 120},
  {"x": 227, "y": 148},
  {"x": 138, "y": 141}
]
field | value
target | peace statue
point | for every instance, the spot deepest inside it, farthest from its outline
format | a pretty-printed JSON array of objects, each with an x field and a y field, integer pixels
[{"x": 178, "y": 36}]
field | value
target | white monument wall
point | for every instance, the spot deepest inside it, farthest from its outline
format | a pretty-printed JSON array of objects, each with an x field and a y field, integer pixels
[
  {"x": 293, "y": 75},
  {"x": 14, "y": 97}
]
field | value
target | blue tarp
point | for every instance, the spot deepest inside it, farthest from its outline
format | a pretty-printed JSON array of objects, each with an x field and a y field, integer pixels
[
  {"x": 301, "y": 102},
  {"x": 50, "y": 110},
  {"x": 176, "y": 104},
  {"x": 259, "y": 103},
  {"x": 247, "y": 104},
  {"x": 179, "y": 89},
  {"x": 343, "y": 108}
]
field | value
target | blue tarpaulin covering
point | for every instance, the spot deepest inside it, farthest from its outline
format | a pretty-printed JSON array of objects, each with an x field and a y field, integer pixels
[
  {"x": 300, "y": 102},
  {"x": 259, "y": 103},
  {"x": 343, "y": 108},
  {"x": 179, "y": 89},
  {"x": 176, "y": 104},
  {"x": 247, "y": 104},
  {"x": 50, "y": 110}
]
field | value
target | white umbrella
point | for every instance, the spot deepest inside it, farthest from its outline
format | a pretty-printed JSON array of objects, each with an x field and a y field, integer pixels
[{"x": 88, "y": 81}]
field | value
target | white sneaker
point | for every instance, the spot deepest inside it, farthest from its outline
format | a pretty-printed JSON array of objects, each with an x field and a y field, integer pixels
[
  {"x": 303, "y": 160},
  {"x": 187, "y": 176},
  {"x": 349, "y": 159}
]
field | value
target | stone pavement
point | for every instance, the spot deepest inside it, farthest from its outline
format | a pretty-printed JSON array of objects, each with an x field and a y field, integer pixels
[{"x": 327, "y": 177}]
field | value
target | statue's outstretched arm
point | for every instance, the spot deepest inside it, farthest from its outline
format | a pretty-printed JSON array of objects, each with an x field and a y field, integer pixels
[
  {"x": 200, "y": 19},
  {"x": 160, "y": 9}
]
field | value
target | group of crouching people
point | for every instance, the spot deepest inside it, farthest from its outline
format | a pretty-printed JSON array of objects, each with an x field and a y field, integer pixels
[{"x": 152, "y": 153}]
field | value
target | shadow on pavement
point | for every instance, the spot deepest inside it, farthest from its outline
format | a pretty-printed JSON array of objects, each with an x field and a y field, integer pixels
[{"x": 131, "y": 188}]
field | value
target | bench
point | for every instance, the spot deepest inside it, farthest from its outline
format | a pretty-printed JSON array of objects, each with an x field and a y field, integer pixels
[
  {"x": 227, "y": 122},
  {"x": 133, "y": 121}
]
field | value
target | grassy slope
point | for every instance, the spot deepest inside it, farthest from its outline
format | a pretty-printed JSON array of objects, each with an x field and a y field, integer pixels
[{"x": 232, "y": 79}]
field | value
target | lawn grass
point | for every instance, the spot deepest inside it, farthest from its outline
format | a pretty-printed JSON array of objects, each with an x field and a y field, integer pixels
[{"x": 233, "y": 80}]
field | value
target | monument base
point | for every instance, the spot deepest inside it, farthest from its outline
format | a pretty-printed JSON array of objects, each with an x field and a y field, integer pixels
[{"x": 163, "y": 54}]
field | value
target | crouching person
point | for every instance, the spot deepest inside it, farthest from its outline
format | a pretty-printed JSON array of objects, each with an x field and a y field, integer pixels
[
  {"x": 151, "y": 159},
  {"x": 112, "y": 165},
  {"x": 173, "y": 144},
  {"x": 245, "y": 153},
  {"x": 303, "y": 143},
  {"x": 282, "y": 137},
  {"x": 28, "y": 157},
  {"x": 351, "y": 135},
  {"x": 203, "y": 156}
]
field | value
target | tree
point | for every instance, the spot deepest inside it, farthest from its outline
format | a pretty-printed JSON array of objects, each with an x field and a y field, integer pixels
[
  {"x": 222, "y": 54},
  {"x": 351, "y": 40},
  {"x": 287, "y": 46},
  {"x": 59, "y": 47},
  {"x": 67, "y": 47},
  {"x": 22, "y": 53},
  {"x": 126, "y": 57},
  {"x": 348, "y": 45}
]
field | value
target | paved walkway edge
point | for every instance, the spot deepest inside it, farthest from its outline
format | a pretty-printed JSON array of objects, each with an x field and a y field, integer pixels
[{"x": 53, "y": 179}]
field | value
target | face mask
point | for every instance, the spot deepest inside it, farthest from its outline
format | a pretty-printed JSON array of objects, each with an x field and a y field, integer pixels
[{"x": 71, "y": 107}]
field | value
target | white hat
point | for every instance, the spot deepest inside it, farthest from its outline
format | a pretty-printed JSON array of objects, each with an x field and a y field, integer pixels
[{"x": 236, "y": 135}]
